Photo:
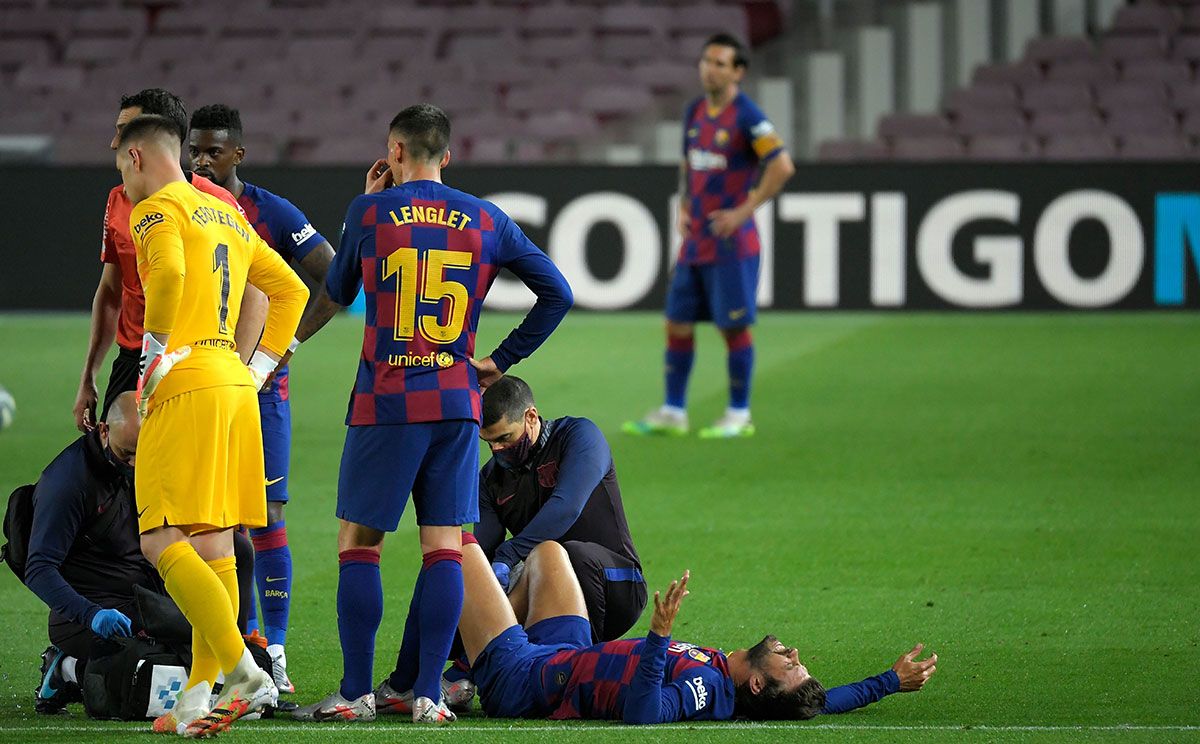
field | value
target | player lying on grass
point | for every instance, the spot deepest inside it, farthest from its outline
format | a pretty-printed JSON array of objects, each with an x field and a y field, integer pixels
[{"x": 550, "y": 668}]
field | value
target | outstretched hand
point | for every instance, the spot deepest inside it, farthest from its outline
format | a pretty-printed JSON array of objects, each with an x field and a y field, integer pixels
[
  {"x": 666, "y": 608},
  {"x": 914, "y": 674}
]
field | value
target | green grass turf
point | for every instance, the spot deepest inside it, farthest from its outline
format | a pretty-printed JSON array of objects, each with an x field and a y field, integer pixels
[{"x": 1017, "y": 491}]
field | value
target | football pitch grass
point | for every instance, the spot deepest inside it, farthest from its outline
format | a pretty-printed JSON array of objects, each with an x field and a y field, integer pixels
[{"x": 1019, "y": 492}]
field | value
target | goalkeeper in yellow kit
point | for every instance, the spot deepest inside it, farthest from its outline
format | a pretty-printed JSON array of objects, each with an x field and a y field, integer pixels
[{"x": 200, "y": 463}]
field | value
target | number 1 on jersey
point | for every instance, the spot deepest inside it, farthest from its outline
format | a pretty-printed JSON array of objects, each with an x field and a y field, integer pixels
[
  {"x": 221, "y": 261},
  {"x": 434, "y": 287}
]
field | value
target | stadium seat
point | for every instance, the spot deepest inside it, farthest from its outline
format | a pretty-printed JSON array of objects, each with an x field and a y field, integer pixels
[
  {"x": 123, "y": 22},
  {"x": 1154, "y": 147},
  {"x": 981, "y": 96},
  {"x": 15, "y": 52},
  {"x": 1119, "y": 49},
  {"x": 36, "y": 77},
  {"x": 94, "y": 51},
  {"x": 561, "y": 19},
  {"x": 633, "y": 47},
  {"x": 586, "y": 72},
  {"x": 616, "y": 100},
  {"x": 914, "y": 125},
  {"x": 1079, "y": 147},
  {"x": 556, "y": 47},
  {"x": 559, "y": 126},
  {"x": 667, "y": 77},
  {"x": 627, "y": 18},
  {"x": 28, "y": 121},
  {"x": 1186, "y": 49},
  {"x": 1002, "y": 147},
  {"x": 1130, "y": 95},
  {"x": 541, "y": 97},
  {"x": 1151, "y": 120},
  {"x": 849, "y": 150},
  {"x": 1052, "y": 50},
  {"x": 976, "y": 122},
  {"x": 938, "y": 147},
  {"x": 1056, "y": 96},
  {"x": 710, "y": 19},
  {"x": 1081, "y": 71},
  {"x": 1185, "y": 96},
  {"x": 1142, "y": 19},
  {"x": 1058, "y": 123},
  {"x": 1006, "y": 74},
  {"x": 1156, "y": 71},
  {"x": 485, "y": 45}
]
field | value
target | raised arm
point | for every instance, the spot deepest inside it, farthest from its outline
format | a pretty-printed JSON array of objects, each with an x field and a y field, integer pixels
[{"x": 647, "y": 701}]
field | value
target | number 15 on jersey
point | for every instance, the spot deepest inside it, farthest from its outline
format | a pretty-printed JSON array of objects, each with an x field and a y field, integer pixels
[{"x": 426, "y": 283}]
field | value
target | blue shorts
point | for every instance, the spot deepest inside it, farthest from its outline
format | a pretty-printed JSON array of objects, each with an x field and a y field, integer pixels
[
  {"x": 509, "y": 671},
  {"x": 437, "y": 462},
  {"x": 276, "y": 417},
  {"x": 725, "y": 292}
]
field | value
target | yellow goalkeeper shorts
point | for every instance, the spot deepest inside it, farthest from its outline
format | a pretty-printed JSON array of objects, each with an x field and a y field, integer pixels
[{"x": 199, "y": 462}]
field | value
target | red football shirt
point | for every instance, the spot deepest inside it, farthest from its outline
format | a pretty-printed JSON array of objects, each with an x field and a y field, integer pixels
[{"x": 117, "y": 248}]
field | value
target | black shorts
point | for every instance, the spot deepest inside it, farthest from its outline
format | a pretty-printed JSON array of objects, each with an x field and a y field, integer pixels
[
  {"x": 613, "y": 588},
  {"x": 123, "y": 378}
]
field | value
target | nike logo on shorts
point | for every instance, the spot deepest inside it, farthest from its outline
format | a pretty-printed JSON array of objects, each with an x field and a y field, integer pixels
[
  {"x": 143, "y": 511},
  {"x": 273, "y": 482}
]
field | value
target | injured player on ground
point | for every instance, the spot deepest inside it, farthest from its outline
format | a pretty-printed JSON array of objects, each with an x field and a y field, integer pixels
[{"x": 550, "y": 668}]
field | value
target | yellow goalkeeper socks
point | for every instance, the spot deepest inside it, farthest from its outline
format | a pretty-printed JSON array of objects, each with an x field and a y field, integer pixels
[
  {"x": 204, "y": 664},
  {"x": 195, "y": 587}
]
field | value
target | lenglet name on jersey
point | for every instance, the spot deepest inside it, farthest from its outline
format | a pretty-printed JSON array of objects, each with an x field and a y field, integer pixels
[{"x": 430, "y": 216}]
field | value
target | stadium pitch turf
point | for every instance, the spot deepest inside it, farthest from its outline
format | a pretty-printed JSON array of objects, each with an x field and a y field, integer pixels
[{"x": 1017, "y": 491}]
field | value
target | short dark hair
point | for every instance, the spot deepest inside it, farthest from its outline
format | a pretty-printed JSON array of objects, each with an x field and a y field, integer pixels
[
  {"x": 160, "y": 102},
  {"x": 729, "y": 40},
  {"x": 219, "y": 116},
  {"x": 425, "y": 129},
  {"x": 773, "y": 702},
  {"x": 152, "y": 125},
  {"x": 507, "y": 398}
]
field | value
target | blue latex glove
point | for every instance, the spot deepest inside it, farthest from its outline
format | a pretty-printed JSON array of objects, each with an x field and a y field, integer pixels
[
  {"x": 502, "y": 573},
  {"x": 109, "y": 623}
]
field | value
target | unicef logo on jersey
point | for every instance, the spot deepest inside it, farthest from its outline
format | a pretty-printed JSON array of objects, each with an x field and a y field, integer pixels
[{"x": 441, "y": 359}]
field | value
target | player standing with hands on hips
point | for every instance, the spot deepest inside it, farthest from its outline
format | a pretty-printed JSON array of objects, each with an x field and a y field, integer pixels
[
  {"x": 426, "y": 255},
  {"x": 734, "y": 161}
]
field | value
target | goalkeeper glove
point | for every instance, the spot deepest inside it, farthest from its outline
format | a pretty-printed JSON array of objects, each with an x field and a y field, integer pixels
[
  {"x": 261, "y": 368},
  {"x": 154, "y": 366},
  {"x": 109, "y": 623}
]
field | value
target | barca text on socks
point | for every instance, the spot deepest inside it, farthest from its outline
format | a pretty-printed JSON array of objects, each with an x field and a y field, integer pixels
[{"x": 273, "y": 575}]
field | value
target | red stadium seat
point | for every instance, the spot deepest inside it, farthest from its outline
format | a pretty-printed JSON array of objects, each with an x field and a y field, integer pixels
[
  {"x": 1147, "y": 19},
  {"x": 1156, "y": 71},
  {"x": 1081, "y": 71},
  {"x": 1054, "y": 123},
  {"x": 914, "y": 125},
  {"x": 1142, "y": 121},
  {"x": 846, "y": 151},
  {"x": 1120, "y": 96},
  {"x": 1120, "y": 49},
  {"x": 975, "y": 122},
  {"x": 981, "y": 96},
  {"x": 1054, "y": 49}
]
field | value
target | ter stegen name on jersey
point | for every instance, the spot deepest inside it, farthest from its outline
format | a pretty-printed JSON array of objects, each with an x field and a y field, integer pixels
[{"x": 204, "y": 215}]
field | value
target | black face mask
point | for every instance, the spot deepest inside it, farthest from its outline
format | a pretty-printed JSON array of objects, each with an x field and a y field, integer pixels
[
  {"x": 121, "y": 466},
  {"x": 516, "y": 454}
]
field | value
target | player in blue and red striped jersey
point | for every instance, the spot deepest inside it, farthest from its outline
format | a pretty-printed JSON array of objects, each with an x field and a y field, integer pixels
[
  {"x": 215, "y": 152},
  {"x": 426, "y": 255},
  {"x": 551, "y": 669},
  {"x": 734, "y": 161}
]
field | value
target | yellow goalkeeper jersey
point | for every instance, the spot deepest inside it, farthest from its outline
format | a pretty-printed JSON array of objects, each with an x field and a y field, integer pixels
[{"x": 195, "y": 255}]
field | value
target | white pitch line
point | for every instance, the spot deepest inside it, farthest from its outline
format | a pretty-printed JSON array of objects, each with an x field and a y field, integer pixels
[{"x": 361, "y": 729}]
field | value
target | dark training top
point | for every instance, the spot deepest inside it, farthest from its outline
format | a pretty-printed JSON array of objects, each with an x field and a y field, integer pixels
[
  {"x": 566, "y": 491},
  {"x": 74, "y": 573}
]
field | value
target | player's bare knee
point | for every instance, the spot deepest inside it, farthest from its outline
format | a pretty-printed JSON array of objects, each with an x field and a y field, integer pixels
[
  {"x": 547, "y": 553},
  {"x": 353, "y": 536},
  {"x": 680, "y": 330}
]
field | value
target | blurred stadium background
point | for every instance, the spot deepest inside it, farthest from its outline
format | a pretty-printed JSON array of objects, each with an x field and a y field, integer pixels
[{"x": 1016, "y": 489}]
